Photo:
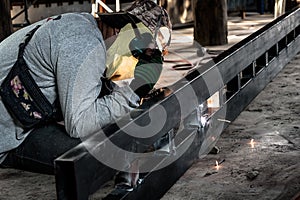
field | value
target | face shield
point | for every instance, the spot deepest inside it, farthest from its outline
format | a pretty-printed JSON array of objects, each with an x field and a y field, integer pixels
[
  {"x": 132, "y": 40},
  {"x": 120, "y": 62},
  {"x": 143, "y": 26}
]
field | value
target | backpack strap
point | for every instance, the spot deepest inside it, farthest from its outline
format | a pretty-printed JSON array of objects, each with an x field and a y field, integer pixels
[{"x": 23, "y": 44}]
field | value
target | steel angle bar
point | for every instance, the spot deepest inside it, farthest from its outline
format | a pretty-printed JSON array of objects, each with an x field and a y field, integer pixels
[
  {"x": 242, "y": 54},
  {"x": 167, "y": 173},
  {"x": 239, "y": 74},
  {"x": 242, "y": 98},
  {"x": 79, "y": 174},
  {"x": 188, "y": 145}
]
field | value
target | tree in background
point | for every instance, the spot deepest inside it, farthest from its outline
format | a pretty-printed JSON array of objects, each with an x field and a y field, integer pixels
[
  {"x": 210, "y": 22},
  {"x": 279, "y": 8},
  {"x": 5, "y": 19}
]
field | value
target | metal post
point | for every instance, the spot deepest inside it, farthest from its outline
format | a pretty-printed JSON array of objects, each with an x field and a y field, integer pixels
[{"x": 26, "y": 20}]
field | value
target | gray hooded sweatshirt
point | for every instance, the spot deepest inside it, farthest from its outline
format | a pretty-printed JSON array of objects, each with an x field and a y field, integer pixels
[{"x": 67, "y": 55}]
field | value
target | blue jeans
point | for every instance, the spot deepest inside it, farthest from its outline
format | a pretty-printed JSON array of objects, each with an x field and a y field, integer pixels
[{"x": 39, "y": 150}]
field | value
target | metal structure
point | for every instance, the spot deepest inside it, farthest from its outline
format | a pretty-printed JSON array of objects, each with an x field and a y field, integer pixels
[
  {"x": 237, "y": 76},
  {"x": 26, "y": 4},
  {"x": 102, "y": 4}
]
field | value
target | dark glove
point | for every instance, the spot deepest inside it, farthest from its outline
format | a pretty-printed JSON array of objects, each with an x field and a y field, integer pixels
[
  {"x": 147, "y": 72},
  {"x": 107, "y": 87}
]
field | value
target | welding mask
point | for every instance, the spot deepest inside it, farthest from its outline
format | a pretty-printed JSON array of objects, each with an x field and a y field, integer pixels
[
  {"x": 132, "y": 41},
  {"x": 122, "y": 55}
]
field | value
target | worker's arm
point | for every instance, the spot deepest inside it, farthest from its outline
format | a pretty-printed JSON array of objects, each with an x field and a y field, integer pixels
[{"x": 81, "y": 65}]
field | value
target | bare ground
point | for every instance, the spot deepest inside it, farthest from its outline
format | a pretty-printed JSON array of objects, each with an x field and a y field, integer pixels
[{"x": 269, "y": 170}]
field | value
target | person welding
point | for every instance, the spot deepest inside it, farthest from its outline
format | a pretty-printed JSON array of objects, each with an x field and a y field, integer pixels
[{"x": 70, "y": 69}]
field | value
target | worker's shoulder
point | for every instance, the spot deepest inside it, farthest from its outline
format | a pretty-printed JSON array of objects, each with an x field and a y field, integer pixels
[
  {"x": 71, "y": 24},
  {"x": 76, "y": 22},
  {"x": 77, "y": 17}
]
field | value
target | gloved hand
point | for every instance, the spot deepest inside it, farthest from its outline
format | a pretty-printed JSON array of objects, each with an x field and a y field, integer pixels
[
  {"x": 107, "y": 87},
  {"x": 147, "y": 72}
]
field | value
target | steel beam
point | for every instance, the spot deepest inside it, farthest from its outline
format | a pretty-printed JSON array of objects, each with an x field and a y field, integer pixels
[{"x": 242, "y": 72}]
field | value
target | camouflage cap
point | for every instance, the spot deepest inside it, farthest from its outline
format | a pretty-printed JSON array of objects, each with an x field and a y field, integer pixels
[
  {"x": 149, "y": 13},
  {"x": 152, "y": 15},
  {"x": 118, "y": 19}
]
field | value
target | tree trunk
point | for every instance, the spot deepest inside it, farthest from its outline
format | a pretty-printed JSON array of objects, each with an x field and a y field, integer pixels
[
  {"x": 210, "y": 22},
  {"x": 5, "y": 19},
  {"x": 279, "y": 8}
]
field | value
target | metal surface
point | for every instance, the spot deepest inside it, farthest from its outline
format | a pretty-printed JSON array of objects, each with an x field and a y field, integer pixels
[{"x": 242, "y": 72}]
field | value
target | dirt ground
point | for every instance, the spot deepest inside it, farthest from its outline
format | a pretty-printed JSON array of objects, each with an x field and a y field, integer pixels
[{"x": 268, "y": 170}]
